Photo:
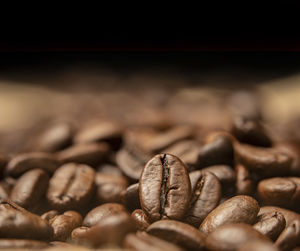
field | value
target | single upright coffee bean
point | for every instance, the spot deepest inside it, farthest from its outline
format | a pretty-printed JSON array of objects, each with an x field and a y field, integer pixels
[
  {"x": 230, "y": 237},
  {"x": 244, "y": 183},
  {"x": 268, "y": 162},
  {"x": 109, "y": 188},
  {"x": 164, "y": 188},
  {"x": 34, "y": 160},
  {"x": 250, "y": 131},
  {"x": 206, "y": 194},
  {"x": 64, "y": 224},
  {"x": 178, "y": 233},
  {"x": 278, "y": 191},
  {"x": 218, "y": 150},
  {"x": 238, "y": 209},
  {"x": 71, "y": 186},
  {"x": 270, "y": 224},
  {"x": 141, "y": 219},
  {"x": 101, "y": 212},
  {"x": 289, "y": 238},
  {"x": 131, "y": 197},
  {"x": 89, "y": 153},
  {"x": 30, "y": 188}
]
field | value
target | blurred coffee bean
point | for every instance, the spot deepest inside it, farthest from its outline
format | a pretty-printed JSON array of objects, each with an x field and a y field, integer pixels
[
  {"x": 250, "y": 131},
  {"x": 89, "y": 154},
  {"x": 283, "y": 192},
  {"x": 270, "y": 224},
  {"x": 71, "y": 186},
  {"x": 101, "y": 212},
  {"x": 102, "y": 131},
  {"x": 231, "y": 237},
  {"x": 244, "y": 183},
  {"x": 78, "y": 235},
  {"x": 131, "y": 197},
  {"x": 206, "y": 194},
  {"x": 238, "y": 209},
  {"x": 224, "y": 173},
  {"x": 64, "y": 224},
  {"x": 178, "y": 233},
  {"x": 265, "y": 161},
  {"x": 109, "y": 188},
  {"x": 289, "y": 237},
  {"x": 34, "y": 160},
  {"x": 164, "y": 188},
  {"x": 141, "y": 219},
  {"x": 109, "y": 169},
  {"x": 30, "y": 187}
]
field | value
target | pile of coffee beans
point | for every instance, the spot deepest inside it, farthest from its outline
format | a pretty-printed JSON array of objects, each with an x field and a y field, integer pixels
[{"x": 165, "y": 187}]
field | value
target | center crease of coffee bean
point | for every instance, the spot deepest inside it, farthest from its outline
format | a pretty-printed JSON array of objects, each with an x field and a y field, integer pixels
[{"x": 163, "y": 189}]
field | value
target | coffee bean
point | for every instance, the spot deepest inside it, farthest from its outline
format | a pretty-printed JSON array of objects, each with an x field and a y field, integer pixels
[
  {"x": 28, "y": 161},
  {"x": 64, "y": 224},
  {"x": 280, "y": 191},
  {"x": 71, "y": 186},
  {"x": 258, "y": 246},
  {"x": 30, "y": 187},
  {"x": 54, "y": 138},
  {"x": 178, "y": 233},
  {"x": 131, "y": 197},
  {"x": 289, "y": 215},
  {"x": 131, "y": 161},
  {"x": 250, "y": 131},
  {"x": 143, "y": 241},
  {"x": 206, "y": 194},
  {"x": 103, "y": 131},
  {"x": 268, "y": 162},
  {"x": 141, "y": 219},
  {"x": 293, "y": 151},
  {"x": 289, "y": 238},
  {"x": 270, "y": 224},
  {"x": 218, "y": 150},
  {"x": 164, "y": 188},
  {"x": 16, "y": 222},
  {"x": 89, "y": 154},
  {"x": 230, "y": 237},
  {"x": 238, "y": 209},
  {"x": 244, "y": 183},
  {"x": 17, "y": 244},
  {"x": 101, "y": 212},
  {"x": 110, "y": 188}
]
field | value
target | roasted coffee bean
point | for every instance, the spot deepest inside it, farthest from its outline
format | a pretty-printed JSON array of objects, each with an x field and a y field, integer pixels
[
  {"x": 30, "y": 187},
  {"x": 218, "y": 150},
  {"x": 101, "y": 212},
  {"x": 268, "y": 162},
  {"x": 289, "y": 238},
  {"x": 293, "y": 151},
  {"x": 283, "y": 192},
  {"x": 143, "y": 241},
  {"x": 165, "y": 139},
  {"x": 178, "y": 233},
  {"x": 250, "y": 131},
  {"x": 131, "y": 161},
  {"x": 238, "y": 209},
  {"x": 206, "y": 194},
  {"x": 164, "y": 188},
  {"x": 22, "y": 244},
  {"x": 89, "y": 154},
  {"x": 131, "y": 197},
  {"x": 258, "y": 246},
  {"x": 49, "y": 215},
  {"x": 270, "y": 224},
  {"x": 109, "y": 169},
  {"x": 115, "y": 227},
  {"x": 28, "y": 161},
  {"x": 289, "y": 215},
  {"x": 56, "y": 137},
  {"x": 186, "y": 150},
  {"x": 230, "y": 237},
  {"x": 110, "y": 188},
  {"x": 71, "y": 186},
  {"x": 64, "y": 224},
  {"x": 244, "y": 183},
  {"x": 103, "y": 131},
  {"x": 16, "y": 222},
  {"x": 141, "y": 219},
  {"x": 224, "y": 173}
]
